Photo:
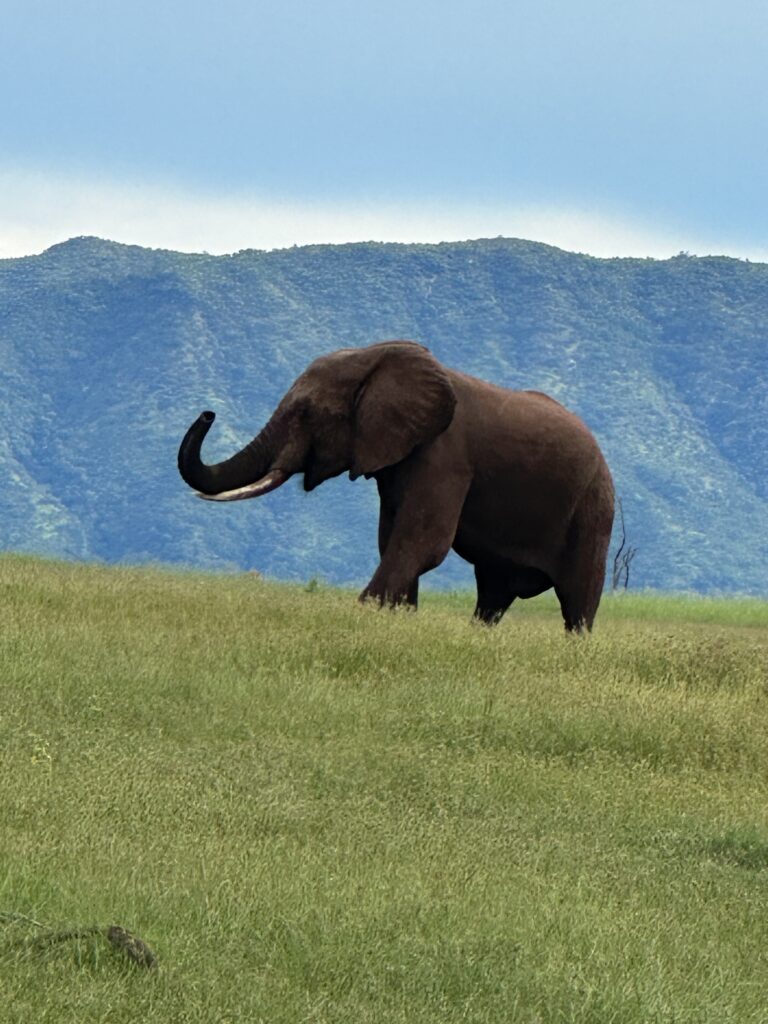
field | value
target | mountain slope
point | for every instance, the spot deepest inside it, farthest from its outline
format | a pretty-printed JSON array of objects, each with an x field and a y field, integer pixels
[{"x": 108, "y": 352}]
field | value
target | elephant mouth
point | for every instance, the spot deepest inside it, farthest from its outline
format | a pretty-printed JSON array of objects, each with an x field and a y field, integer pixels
[{"x": 274, "y": 479}]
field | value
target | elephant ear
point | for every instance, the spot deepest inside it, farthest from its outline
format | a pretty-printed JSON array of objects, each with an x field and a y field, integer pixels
[{"x": 405, "y": 401}]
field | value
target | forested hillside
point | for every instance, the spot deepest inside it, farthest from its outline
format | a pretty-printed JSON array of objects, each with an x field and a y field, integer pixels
[{"x": 108, "y": 352}]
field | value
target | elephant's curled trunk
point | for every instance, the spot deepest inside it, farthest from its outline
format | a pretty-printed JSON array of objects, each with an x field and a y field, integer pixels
[{"x": 247, "y": 474}]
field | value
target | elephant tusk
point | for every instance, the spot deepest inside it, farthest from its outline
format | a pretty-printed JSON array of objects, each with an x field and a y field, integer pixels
[{"x": 264, "y": 486}]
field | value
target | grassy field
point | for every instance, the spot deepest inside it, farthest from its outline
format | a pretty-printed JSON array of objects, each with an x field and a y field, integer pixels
[{"x": 317, "y": 812}]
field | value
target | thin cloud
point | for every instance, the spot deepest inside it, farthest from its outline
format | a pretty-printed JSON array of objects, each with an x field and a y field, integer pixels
[{"x": 37, "y": 211}]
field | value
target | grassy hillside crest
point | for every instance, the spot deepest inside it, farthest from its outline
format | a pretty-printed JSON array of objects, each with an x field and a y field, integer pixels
[{"x": 313, "y": 810}]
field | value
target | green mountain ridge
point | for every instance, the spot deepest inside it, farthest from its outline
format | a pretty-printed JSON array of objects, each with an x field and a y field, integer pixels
[{"x": 108, "y": 352}]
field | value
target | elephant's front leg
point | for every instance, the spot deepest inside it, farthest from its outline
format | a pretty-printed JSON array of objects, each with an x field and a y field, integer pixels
[
  {"x": 386, "y": 524},
  {"x": 415, "y": 534}
]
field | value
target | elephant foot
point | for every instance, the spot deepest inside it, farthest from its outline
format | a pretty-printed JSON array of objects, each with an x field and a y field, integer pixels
[
  {"x": 579, "y": 606},
  {"x": 391, "y": 597},
  {"x": 488, "y": 616}
]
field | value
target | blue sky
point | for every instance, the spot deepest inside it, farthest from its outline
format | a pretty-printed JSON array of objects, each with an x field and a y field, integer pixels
[{"x": 605, "y": 127}]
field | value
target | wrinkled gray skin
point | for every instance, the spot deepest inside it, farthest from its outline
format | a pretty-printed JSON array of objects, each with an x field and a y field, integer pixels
[{"x": 511, "y": 480}]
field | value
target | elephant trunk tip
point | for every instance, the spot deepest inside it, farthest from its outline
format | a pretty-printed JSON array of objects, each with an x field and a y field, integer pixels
[{"x": 207, "y": 417}]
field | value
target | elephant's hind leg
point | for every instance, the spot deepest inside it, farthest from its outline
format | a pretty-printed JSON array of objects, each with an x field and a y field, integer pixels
[
  {"x": 495, "y": 593},
  {"x": 579, "y": 585},
  {"x": 578, "y": 604}
]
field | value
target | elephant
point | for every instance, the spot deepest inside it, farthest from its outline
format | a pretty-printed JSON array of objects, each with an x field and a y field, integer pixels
[{"x": 511, "y": 480}]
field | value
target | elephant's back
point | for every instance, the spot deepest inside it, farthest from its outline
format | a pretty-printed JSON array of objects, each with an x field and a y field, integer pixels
[
  {"x": 532, "y": 460},
  {"x": 524, "y": 427}
]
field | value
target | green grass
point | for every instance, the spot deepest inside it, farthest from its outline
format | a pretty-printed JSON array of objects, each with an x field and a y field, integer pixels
[{"x": 316, "y": 812}]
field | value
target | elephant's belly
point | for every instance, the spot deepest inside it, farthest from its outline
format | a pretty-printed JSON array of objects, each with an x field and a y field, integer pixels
[
  {"x": 526, "y": 582},
  {"x": 517, "y": 540}
]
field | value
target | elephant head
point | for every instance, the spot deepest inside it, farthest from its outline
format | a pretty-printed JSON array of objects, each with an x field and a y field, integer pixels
[{"x": 356, "y": 410}]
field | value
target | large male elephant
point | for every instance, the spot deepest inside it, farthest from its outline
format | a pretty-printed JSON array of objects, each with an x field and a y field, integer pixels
[{"x": 510, "y": 480}]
